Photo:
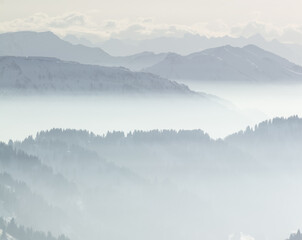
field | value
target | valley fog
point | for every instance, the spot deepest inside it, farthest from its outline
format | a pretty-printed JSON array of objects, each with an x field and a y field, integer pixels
[
  {"x": 254, "y": 99},
  {"x": 131, "y": 179},
  {"x": 241, "y": 105},
  {"x": 26, "y": 115}
]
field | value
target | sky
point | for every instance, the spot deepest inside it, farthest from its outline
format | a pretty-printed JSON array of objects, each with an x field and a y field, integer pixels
[{"x": 141, "y": 19}]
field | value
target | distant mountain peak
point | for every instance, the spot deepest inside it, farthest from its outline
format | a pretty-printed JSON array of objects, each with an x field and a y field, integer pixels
[
  {"x": 47, "y": 44},
  {"x": 227, "y": 63},
  {"x": 31, "y": 33},
  {"x": 253, "y": 47}
]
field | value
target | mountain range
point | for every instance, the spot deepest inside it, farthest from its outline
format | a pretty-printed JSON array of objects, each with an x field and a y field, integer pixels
[
  {"x": 191, "y": 43},
  {"x": 227, "y": 63},
  {"x": 47, "y": 44}
]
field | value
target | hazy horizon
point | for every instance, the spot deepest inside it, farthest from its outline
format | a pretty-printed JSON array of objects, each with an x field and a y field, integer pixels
[
  {"x": 150, "y": 120},
  {"x": 120, "y": 20},
  {"x": 93, "y": 113}
]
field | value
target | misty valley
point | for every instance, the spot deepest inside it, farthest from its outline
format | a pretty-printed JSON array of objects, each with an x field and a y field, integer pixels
[
  {"x": 201, "y": 140},
  {"x": 111, "y": 186}
]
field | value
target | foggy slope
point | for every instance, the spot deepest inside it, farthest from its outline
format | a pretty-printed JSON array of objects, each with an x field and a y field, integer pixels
[
  {"x": 158, "y": 153},
  {"x": 10, "y": 230},
  {"x": 31, "y": 209},
  {"x": 147, "y": 175},
  {"x": 227, "y": 63},
  {"x": 149, "y": 154},
  {"x": 238, "y": 176},
  {"x": 281, "y": 130},
  {"x": 50, "y": 74},
  {"x": 29, "y": 168},
  {"x": 155, "y": 152},
  {"x": 76, "y": 162},
  {"x": 277, "y": 142}
]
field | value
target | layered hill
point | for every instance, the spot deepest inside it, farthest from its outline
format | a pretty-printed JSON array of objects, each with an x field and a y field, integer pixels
[
  {"x": 241, "y": 174},
  {"x": 227, "y": 63},
  {"x": 51, "y": 74},
  {"x": 191, "y": 43},
  {"x": 47, "y": 44}
]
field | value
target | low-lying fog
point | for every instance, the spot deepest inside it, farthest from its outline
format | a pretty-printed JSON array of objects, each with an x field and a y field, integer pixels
[
  {"x": 25, "y": 115},
  {"x": 271, "y": 100},
  {"x": 157, "y": 185}
]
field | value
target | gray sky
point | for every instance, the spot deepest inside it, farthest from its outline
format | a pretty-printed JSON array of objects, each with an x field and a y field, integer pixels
[{"x": 147, "y": 19}]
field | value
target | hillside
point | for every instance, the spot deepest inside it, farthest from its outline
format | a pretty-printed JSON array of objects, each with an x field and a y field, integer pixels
[
  {"x": 276, "y": 142},
  {"x": 240, "y": 175},
  {"x": 50, "y": 74},
  {"x": 30, "y": 169},
  {"x": 30, "y": 208},
  {"x": 10, "y": 230}
]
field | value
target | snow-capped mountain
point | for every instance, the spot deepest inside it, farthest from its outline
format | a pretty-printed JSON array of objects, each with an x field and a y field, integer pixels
[
  {"x": 227, "y": 63},
  {"x": 46, "y": 74}
]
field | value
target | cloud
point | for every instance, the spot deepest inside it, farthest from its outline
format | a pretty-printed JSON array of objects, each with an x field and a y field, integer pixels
[
  {"x": 288, "y": 33},
  {"x": 252, "y": 28},
  {"x": 69, "y": 23},
  {"x": 241, "y": 236},
  {"x": 110, "y": 25},
  {"x": 69, "y": 20},
  {"x": 148, "y": 30},
  {"x": 246, "y": 237},
  {"x": 83, "y": 25},
  {"x": 292, "y": 34},
  {"x": 41, "y": 21}
]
